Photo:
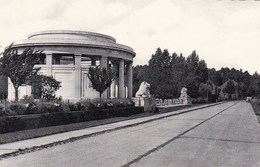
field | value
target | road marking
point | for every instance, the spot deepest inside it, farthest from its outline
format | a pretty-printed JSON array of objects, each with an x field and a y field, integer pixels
[{"x": 226, "y": 140}]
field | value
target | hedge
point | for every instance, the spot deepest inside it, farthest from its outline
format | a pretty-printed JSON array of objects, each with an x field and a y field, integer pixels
[{"x": 23, "y": 122}]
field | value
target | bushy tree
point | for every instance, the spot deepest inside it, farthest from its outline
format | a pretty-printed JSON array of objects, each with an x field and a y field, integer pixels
[
  {"x": 254, "y": 86},
  {"x": 19, "y": 67},
  {"x": 44, "y": 87},
  {"x": 159, "y": 72},
  {"x": 101, "y": 79},
  {"x": 3, "y": 87},
  {"x": 139, "y": 72},
  {"x": 230, "y": 88}
]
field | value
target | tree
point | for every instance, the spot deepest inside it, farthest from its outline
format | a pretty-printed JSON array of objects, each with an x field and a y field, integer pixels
[
  {"x": 197, "y": 73},
  {"x": 254, "y": 86},
  {"x": 3, "y": 87},
  {"x": 19, "y": 67},
  {"x": 206, "y": 89},
  {"x": 159, "y": 74},
  {"x": 44, "y": 87},
  {"x": 230, "y": 88},
  {"x": 101, "y": 79},
  {"x": 139, "y": 72}
]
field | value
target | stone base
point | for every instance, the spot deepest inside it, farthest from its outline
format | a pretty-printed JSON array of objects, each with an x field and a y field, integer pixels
[
  {"x": 185, "y": 100},
  {"x": 148, "y": 103}
]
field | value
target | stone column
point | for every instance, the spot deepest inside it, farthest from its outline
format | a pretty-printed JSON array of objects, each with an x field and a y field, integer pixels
[
  {"x": 48, "y": 64},
  {"x": 77, "y": 77},
  {"x": 116, "y": 90},
  {"x": 104, "y": 64},
  {"x": 130, "y": 79},
  {"x": 121, "y": 80},
  {"x": 112, "y": 90}
]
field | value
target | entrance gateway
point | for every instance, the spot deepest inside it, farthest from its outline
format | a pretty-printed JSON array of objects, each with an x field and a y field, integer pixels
[{"x": 67, "y": 56}]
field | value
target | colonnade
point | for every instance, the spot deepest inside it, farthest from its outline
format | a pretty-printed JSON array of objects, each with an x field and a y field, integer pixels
[{"x": 115, "y": 91}]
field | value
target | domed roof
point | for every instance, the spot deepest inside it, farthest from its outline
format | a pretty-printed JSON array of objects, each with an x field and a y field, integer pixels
[
  {"x": 72, "y": 35},
  {"x": 72, "y": 38}
]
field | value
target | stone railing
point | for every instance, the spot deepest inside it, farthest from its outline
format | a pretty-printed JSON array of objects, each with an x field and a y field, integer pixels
[{"x": 167, "y": 102}]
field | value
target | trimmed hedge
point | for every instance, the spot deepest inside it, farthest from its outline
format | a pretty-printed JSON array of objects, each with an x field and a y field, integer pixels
[{"x": 23, "y": 122}]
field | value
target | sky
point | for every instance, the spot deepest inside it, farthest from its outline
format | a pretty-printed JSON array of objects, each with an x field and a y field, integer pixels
[{"x": 225, "y": 33}]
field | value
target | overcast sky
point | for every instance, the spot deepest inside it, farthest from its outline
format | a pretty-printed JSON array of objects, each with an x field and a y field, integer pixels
[{"x": 224, "y": 33}]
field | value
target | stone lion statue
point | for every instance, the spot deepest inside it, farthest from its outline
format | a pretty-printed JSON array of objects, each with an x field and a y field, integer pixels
[
  {"x": 184, "y": 93},
  {"x": 143, "y": 90},
  {"x": 184, "y": 97}
]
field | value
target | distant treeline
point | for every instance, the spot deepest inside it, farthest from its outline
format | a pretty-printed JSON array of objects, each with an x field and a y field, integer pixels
[{"x": 168, "y": 73}]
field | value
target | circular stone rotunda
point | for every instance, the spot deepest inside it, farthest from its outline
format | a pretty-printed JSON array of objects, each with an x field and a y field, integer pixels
[{"x": 67, "y": 56}]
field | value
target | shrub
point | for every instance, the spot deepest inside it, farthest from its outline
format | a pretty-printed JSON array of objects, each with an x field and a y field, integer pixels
[
  {"x": 65, "y": 106},
  {"x": 10, "y": 124},
  {"x": 1, "y": 110},
  {"x": 199, "y": 101},
  {"x": 28, "y": 105},
  {"x": 26, "y": 99},
  {"x": 31, "y": 108},
  {"x": 111, "y": 103},
  {"x": 48, "y": 107},
  {"x": 76, "y": 107},
  {"x": 18, "y": 108},
  {"x": 45, "y": 87}
]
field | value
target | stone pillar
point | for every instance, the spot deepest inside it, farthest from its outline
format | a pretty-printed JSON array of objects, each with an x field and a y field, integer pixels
[
  {"x": 104, "y": 64},
  {"x": 130, "y": 80},
  {"x": 121, "y": 80},
  {"x": 77, "y": 76},
  {"x": 48, "y": 64},
  {"x": 112, "y": 90},
  {"x": 116, "y": 90}
]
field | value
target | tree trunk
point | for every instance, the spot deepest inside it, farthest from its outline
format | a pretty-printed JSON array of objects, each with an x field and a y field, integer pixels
[
  {"x": 16, "y": 93},
  {"x": 100, "y": 94},
  {"x": 4, "y": 104}
]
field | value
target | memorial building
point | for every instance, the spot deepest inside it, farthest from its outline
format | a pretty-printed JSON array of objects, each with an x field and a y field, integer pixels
[{"x": 67, "y": 56}]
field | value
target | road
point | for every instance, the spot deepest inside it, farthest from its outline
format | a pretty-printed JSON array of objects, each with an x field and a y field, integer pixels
[{"x": 222, "y": 135}]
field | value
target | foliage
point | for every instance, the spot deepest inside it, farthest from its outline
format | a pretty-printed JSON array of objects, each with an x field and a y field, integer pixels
[
  {"x": 28, "y": 105},
  {"x": 256, "y": 106},
  {"x": 19, "y": 67},
  {"x": 3, "y": 87},
  {"x": 167, "y": 74},
  {"x": 230, "y": 88},
  {"x": 138, "y": 76},
  {"x": 44, "y": 87},
  {"x": 254, "y": 85},
  {"x": 11, "y": 124},
  {"x": 205, "y": 89},
  {"x": 89, "y": 104},
  {"x": 101, "y": 79}
]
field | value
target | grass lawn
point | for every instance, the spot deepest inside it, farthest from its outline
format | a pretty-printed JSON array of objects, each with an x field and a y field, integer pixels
[
  {"x": 33, "y": 133},
  {"x": 256, "y": 107}
]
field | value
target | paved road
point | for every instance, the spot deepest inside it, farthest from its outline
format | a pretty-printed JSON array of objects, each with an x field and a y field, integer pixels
[{"x": 222, "y": 135}]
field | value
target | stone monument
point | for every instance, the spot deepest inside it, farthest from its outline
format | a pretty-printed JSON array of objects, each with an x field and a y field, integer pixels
[
  {"x": 184, "y": 97},
  {"x": 143, "y": 97},
  {"x": 144, "y": 90}
]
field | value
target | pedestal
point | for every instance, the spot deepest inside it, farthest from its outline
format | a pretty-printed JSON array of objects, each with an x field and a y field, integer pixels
[{"x": 149, "y": 104}]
